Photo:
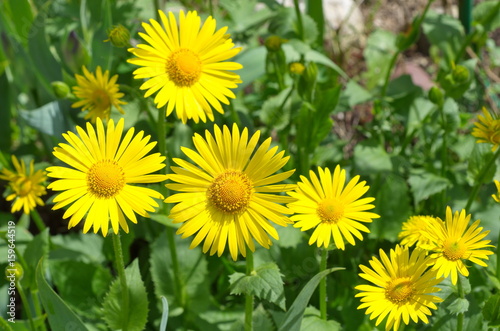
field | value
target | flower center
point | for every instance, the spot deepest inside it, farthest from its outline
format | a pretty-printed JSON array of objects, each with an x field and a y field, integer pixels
[
  {"x": 230, "y": 192},
  {"x": 105, "y": 179},
  {"x": 399, "y": 290},
  {"x": 184, "y": 67},
  {"x": 101, "y": 99},
  {"x": 330, "y": 210},
  {"x": 24, "y": 187},
  {"x": 453, "y": 250}
]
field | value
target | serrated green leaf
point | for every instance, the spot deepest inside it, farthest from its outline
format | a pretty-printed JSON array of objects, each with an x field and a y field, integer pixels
[
  {"x": 370, "y": 158},
  {"x": 478, "y": 159},
  {"x": 135, "y": 316},
  {"x": 78, "y": 247},
  {"x": 380, "y": 47},
  {"x": 423, "y": 184},
  {"x": 460, "y": 305},
  {"x": 293, "y": 317},
  {"x": 60, "y": 316},
  {"x": 310, "y": 29},
  {"x": 261, "y": 320},
  {"x": 313, "y": 322},
  {"x": 491, "y": 311},
  {"x": 275, "y": 111},
  {"x": 265, "y": 284}
]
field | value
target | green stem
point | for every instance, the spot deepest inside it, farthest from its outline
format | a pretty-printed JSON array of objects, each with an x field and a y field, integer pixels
[
  {"x": 249, "y": 297},
  {"x": 120, "y": 268},
  {"x": 279, "y": 74},
  {"x": 26, "y": 305},
  {"x": 162, "y": 147},
  {"x": 498, "y": 259},
  {"x": 392, "y": 63},
  {"x": 322, "y": 285},
  {"x": 300, "y": 25},
  {"x": 480, "y": 179},
  {"x": 37, "y": 305},
  {"x": 35, "y": 216},
  {"x": 460, "y": 316}
]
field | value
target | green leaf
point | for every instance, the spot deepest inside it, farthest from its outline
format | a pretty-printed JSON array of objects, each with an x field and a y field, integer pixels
[
  {"x": 419, "y": 110},
  {"x": 261, "y": 320},
  {"x": 6, "y": 141},
  {"x": 164, "y": 314},
  {"x": 491, "y": 311},
  {"x": 49, "y": 119},
  {"x": 21, "y": 16},
  {"x": 310, "y": 29},
  {"x": 60, "y": 316},
  {"x": 315, "y": 323},
  {"x": 275, "y": 110},
  {"x": 460, "y": 305},
  {"x": 293, "y": 317},
  {"x": 135, "y": 316},
  {"x": 266, "y": 284},
  {"x": 380, "y": 47},
  {"x": 478, "y": 159},
  {"x": 353, "y": 94},
  {"x": 370, "y": 158},
  {"x": 487, "y": 13},
  {"x": 86, "y": 248},
  {"x": 253, "y": 61},
  {"x": 423, "y": 184},
  {"x": 35, "y": 250}
]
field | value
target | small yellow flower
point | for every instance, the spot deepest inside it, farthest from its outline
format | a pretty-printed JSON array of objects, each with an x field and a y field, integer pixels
[
  {"x": 99, "y": 182},
  {"x": 187, "y": 65},
  {"x": 231, "y": 193},
  {"x": 333, "y": 209},
  {"x": 496, "y": 196},
  {"x": 487, "y": 130},
  {"x": 414, "y": 230},
  {"x": 27, "y": 187},
  {"x": 454, "y": 242},
  {"x": 97, "y": 93},
  {"x": 296, "y": 68},
  {"x": 402, "y": 289}
]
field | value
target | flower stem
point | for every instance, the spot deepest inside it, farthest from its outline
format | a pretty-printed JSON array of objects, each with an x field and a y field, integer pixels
[
  {"x": 35, "y": 216},
  {"x": 322, "y": 285},
  {"x": 300, "y": 25},
  {"x": 498, "y": 259},
  {"x": 26, "y": 305},
  {"x": 120, "y": 268},
  {"x": 460, "y": 316},
  {"x": 388, "y": 74},
  {"x": 249, "y": 297},
  {"x": 480, "y": 179}
]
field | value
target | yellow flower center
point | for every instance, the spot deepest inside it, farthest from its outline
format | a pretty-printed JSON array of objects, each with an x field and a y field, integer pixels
[
  {"x": 230, "y": 192},
  {"x": 184, "y": 67},
  {"x": 105, "y": 179},
  {"x": 399, "y": 290},
  {"x": 330, "y": 210},
  {"x": 101, "y": 99},
  {"x": 24, "y": 187},
  {"x": 454, "y": 250}
]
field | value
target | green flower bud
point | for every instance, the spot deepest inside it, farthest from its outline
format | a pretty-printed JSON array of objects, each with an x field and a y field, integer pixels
[
  {"x": 14, "y": 273},
  {"x": 61, "y": 89},
  {"x": 460, "y": 74},
  {"x": 273, "y": 43},
  {"x": 119, "y": 36},
  {"x": 436, "y": 96},
  {"x": 296, "y": 68}
]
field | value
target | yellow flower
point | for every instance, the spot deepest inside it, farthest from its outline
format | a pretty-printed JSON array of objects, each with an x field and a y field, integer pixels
[
  {"x": 414, "y": 230},
  {"x": 487, "y": 130},
  {"x": 103, "y": 166},
  {"x": 97, "y": 93},
  {"x": 496, "y": 196},
  {"x": 454, "y": 242},
  {"x": 27, "y": 187},
  {"x": 184, "y": 64},
  {"x": 229, "y": 195},
  {"x": 403, "y": 287},
  {"x": 334, "y": 210}
]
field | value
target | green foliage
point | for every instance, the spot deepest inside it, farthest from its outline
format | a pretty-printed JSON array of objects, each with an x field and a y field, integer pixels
[{"x": 134, "y": 316}]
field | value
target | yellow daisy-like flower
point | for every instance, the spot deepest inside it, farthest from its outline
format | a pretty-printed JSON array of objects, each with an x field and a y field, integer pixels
[
  {"x": 229, "y": 195},
  {"x": 103, "y": 167},
  {"x": 184, "y": 64},
  {"x": 333, "y": 209},
  {"x": 27, "y": 187},
  {"x": 487, "y": 130},
  {"x": 496, "y": 196},
  {"x": 97, "y": 93},
  {"x": 404, "y": 287},
  {"x": 414, "y": 230},
  {"x": 454, "y": 242}
]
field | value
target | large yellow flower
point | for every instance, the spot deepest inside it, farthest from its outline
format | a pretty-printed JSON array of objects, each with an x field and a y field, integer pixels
[
  {"x": 27, "y": 187},
  {"x": 102, "y": 168},
  {"x": 487, "y": 130},
  {"x": 454, "y": 243},
  {"x": 97, "y": 93},
  {"x": 496, "y": 196},
  {"x": 229, "y": 195},
  {"x": 414, "y": 230},
  {"x": 184, "y": 64},
  {"x": 403, "y": 287},
  {"x": 334, "y": 210}
]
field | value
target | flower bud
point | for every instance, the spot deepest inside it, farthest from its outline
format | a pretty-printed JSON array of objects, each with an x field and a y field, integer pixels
[
  {"x": 436, "y": 96},
  {"x": 273, "y": 43},
  {"x": 460, "y": 74},
  {"x": 119, "y": 36},
  {"x": 14, "y": 273},
  {"x": 296, "y": 68},
  {"x": 61, "y": 89}
]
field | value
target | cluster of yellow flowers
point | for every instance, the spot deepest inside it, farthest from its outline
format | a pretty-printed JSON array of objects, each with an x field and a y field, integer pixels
[{"x": 232, "y": 191}]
